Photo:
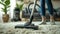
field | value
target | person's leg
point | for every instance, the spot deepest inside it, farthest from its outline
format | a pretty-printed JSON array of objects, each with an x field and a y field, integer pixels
[
  {"x": 50, "y": 8},
  {"x": 42, "y": 2}
]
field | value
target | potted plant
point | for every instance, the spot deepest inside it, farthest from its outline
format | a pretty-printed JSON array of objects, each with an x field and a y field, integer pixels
[{"x": 6, "y": 4}]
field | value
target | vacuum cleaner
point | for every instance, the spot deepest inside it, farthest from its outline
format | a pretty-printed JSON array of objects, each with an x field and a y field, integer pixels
[{"x": 29, "y": 25}]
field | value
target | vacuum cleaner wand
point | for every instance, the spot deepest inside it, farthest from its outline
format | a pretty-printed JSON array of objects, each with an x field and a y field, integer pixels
[{"x": 31, "y": 16}]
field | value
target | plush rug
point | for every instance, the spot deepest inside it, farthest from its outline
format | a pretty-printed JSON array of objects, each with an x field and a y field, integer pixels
[{"x": 8, "y": 28}]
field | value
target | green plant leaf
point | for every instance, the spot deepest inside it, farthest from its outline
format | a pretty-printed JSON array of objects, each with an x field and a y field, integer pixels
[
  {"x": 7, "y": 2},
  {"x": 22, "y": 0},
  {"x": 2, "y": 8},
  {"x": 2, "y": 0},
  {"x": 21, "y": 6},
  {"x": 6, "y": 5},
  {"x": 2, "y": 3},
  {"x": 17, "y": 5}
]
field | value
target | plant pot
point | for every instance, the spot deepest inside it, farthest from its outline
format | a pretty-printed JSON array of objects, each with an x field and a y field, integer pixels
[
  {"x": 5, "y": 17},
  {"x": 16, "y": 14}
]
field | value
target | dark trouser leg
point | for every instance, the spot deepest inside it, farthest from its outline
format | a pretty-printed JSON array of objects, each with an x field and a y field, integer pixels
[
  {"x": 50, "y": 7},
  {"x": 42, "y": 2}
]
